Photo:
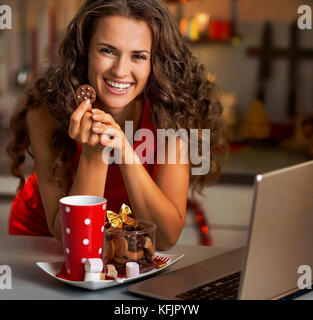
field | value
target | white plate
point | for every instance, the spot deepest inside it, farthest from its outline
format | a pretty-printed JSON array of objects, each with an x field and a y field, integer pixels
[{"x": 52, "y": 268}]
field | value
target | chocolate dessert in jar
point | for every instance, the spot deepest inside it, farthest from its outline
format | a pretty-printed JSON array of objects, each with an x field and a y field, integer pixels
[{"x": 133, "y": 242}]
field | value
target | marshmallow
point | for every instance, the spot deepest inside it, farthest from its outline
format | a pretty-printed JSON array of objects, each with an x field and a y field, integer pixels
[
  {"x": 94, "y": 265},
  {"x": 132, "y": 269},
  {"x": 91, "y": 276}
]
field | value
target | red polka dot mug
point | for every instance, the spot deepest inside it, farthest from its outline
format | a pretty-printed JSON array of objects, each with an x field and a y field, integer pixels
[{"x": 82, "y": 220}]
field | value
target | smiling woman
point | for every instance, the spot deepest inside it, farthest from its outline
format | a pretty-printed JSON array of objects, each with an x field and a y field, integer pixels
[{"x": 132, "y": 54}]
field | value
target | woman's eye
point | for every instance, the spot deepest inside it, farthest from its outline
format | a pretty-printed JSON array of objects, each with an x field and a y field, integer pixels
[
  {"x": 140, "y": 57},
  {"x": 105, "y": 50}
]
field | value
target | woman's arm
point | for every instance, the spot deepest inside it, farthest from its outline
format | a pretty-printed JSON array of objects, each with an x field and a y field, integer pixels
[
  {"x": 91, "y": 173},
  {"x": 163, "y": 200}
]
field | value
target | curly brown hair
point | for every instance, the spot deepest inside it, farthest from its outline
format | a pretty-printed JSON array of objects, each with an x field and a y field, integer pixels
[{"x": 179, "y": 93}]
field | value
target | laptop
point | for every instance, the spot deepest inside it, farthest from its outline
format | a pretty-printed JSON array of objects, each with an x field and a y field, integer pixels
[{"x": 280, "y": 240}]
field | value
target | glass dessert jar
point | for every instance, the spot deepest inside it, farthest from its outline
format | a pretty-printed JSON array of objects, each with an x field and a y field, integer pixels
[{"x": 130, "y": 244}]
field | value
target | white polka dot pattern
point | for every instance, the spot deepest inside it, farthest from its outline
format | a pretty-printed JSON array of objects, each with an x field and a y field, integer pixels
[
  {"x": 67, "y": 209},
  {"x": 84, "y": 260},
  {"x": 102, "y": 228},
  {"x": 67, "y": 250},
  {"x": 68, "y": 230},
  {"x": 100, "y": 250},
  {"x": 85, "y": 242},
  {"x": 87, "y": 222}
]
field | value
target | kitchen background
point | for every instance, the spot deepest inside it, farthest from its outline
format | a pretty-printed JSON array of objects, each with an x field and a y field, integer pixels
[{"x": 259, "y": 59}]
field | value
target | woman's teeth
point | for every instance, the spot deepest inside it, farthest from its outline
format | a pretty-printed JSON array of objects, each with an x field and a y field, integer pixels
[{"x": 118, "y": 86}]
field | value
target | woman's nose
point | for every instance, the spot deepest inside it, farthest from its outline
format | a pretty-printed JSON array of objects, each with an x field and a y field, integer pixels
[{"x": 121, "y": 67}]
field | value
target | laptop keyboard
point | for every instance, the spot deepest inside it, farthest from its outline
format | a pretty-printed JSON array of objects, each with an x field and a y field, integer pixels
[{"x": 222, "y": 289}]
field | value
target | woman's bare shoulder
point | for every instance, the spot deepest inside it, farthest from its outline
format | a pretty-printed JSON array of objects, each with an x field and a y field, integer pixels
[
  {"x": 39, "y": 118},
  {"x": 40, "y": 130},
  {"x": 39, "y": 122}
]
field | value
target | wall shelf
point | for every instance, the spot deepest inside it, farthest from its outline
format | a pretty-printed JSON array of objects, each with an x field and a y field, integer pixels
[
  {"x": 232, "y": 38},
  {"x": 234, "y": 41}
]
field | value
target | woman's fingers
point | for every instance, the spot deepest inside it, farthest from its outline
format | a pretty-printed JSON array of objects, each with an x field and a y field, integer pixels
[
  {"x": 104, "y": 139},
  {"x": 85, "y": 127},
  {"x": 101, "y": 116},
  {"x": 114, "y": 136},
  {"x": 106, "y": 129},
  {"x": 76, "y": 118},
  {"x": 94, "y": 139},
  {"x": 98, "y": 127},
  {"x": 86, "y": 134}
]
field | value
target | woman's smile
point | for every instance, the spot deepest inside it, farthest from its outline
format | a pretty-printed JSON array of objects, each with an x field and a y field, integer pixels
[{"x": 118, "y": 87}]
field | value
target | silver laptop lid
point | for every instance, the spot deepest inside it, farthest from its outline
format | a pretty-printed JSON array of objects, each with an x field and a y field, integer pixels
[{"x": 281, "y": 233}]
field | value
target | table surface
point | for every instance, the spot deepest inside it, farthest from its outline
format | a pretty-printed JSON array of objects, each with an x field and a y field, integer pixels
[{"x": 30, "y": 282}]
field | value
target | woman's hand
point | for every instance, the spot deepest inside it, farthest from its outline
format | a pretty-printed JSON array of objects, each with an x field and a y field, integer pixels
[
  {"x": 111, "y": 135},
  {"x": 80, "y": 129}
]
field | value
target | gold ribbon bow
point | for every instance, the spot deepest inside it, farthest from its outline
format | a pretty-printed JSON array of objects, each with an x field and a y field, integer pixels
[{"x": 117, "y": 220}]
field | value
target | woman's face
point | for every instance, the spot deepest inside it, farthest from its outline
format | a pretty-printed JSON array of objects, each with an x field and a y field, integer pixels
[{"x": 119, "y": 60}]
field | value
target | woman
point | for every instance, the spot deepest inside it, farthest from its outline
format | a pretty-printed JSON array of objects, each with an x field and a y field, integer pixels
[{"x": 132, "y": 53}]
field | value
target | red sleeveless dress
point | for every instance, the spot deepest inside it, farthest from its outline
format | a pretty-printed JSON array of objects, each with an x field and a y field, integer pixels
[{"x": 27, "y": 215}]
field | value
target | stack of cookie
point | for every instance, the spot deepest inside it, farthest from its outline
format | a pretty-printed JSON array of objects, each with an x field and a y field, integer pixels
[{"x": 129, "y": 244}]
